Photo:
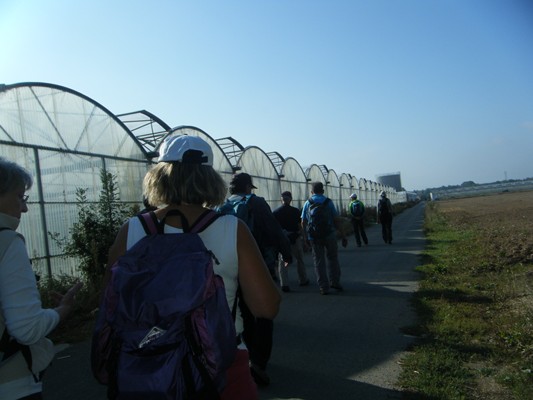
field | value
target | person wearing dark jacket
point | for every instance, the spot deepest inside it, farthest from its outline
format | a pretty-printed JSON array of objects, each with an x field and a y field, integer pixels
[
  {"x": 271, "y": 240},
  {"x": 384, "y": 210},
  {"x": 289, "y": 219}
]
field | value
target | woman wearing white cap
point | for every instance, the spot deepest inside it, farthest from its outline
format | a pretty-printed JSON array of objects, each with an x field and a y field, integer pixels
[{"x": 184, "y": 180}]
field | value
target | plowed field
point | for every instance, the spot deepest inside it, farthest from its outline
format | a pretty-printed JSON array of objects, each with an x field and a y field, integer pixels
[{"x": 505, "y": 221}]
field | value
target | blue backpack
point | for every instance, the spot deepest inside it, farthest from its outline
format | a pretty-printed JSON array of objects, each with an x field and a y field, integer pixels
[
  {"x": 318, "y": 219},
  {"x": 164, "y": 329},
  {"x": 241, "y": 208}
]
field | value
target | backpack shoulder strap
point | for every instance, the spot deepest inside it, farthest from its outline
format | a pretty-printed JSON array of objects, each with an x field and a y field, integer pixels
[
  {"x": 203, "y": 221},
  {"x": 184, "y": 223},
  {"x": 246, "y": 199},
  {"x": 152, "y": 226},
  {"x": 225, "y": 208},
  {"x": 249, "y": 199},
  {"x": 150, "y": 223}
]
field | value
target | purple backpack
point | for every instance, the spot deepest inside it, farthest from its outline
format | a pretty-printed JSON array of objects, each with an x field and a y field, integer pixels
[{"x": 164, "y": 329}]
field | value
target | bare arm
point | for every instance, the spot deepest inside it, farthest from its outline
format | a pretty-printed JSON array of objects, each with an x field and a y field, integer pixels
[
  {"x": 258, "y": 289},
  {"x": 117, "y": 249},
  {"x": 304, "y": 234},
  {"x": 303, "y": 223},
  {"x": 304, "y": 226}
]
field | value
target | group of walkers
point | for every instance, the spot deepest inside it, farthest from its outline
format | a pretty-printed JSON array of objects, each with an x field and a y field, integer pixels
[
  {"x": 250, "y": 247},
  {"x": 356, "y": 211},
  {"x": 324, "y": 248}
]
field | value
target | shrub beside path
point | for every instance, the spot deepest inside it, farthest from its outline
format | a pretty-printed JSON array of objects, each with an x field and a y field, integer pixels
[{"x": 344, "y": 345}]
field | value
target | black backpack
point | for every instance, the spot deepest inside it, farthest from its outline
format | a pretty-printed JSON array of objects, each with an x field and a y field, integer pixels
[{"x": 318, "y": 221}]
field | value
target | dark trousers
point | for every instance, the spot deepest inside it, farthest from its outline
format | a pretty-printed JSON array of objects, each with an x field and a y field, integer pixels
[
  {"x": 257, "y": 335},
  {"x": 359, "y": 230},
  {"x": 258, "y": 332},
  {"x": 386, "y": 230},
  {"x": 326, "y": 261}
]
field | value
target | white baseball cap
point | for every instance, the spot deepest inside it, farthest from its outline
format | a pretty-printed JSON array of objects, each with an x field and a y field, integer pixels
[{"x": 186, "y": 149}]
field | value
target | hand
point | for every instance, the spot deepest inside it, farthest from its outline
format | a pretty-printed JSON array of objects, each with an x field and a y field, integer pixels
[
  {"x": 66, "y": 301},
  {"x": 69, "y": 298}
]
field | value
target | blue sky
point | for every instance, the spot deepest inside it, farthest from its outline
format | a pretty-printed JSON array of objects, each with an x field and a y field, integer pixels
[{"x": 438, "y": 90}]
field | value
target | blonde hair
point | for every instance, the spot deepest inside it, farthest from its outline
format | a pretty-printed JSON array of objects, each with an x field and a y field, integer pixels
[{"x": 175, "y": 182}]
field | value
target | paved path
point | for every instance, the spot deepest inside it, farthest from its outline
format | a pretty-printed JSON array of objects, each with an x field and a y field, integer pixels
[{"x": 340, "y": 346}]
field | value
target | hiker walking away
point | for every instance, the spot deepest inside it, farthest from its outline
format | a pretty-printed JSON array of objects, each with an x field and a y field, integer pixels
[
  {"x": 356, "y": 210},
  {"x": 25, "y": 352},
  {"x": 184, "y": 182},
  {"x": 258, "y": 331},
  {"x": 384, "y": 210},
  {"x": 290, "y": 221},
  {"x": 320, "y": 221}
]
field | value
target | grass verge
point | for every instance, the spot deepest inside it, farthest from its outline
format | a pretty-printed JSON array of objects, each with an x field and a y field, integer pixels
[{"x": 475, "y": 319}]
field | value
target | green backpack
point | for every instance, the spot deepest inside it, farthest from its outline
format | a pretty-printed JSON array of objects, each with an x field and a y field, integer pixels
[{"x": 357, "y": 209}]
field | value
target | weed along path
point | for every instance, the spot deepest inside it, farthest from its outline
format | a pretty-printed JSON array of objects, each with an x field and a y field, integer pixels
[{"x": 344, "y": 345}]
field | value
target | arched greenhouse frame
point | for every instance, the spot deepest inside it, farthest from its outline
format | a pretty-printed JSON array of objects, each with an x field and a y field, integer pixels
[{"x": 65, "y": 140}]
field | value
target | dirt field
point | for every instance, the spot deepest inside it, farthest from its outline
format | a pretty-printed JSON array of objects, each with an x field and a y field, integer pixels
[
  {"x": 506, "y": 219},
  {"x": 505, "y": 226}
]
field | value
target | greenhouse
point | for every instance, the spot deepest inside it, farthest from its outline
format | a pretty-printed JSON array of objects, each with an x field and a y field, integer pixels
[{"x": 66, "y": 139}]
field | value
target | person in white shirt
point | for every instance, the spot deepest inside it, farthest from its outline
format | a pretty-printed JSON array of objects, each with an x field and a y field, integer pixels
[{"x": 22, "y": 318}]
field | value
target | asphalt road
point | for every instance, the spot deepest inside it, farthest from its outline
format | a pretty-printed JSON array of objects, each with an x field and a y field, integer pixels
[{"x": 341, "y": 346}]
